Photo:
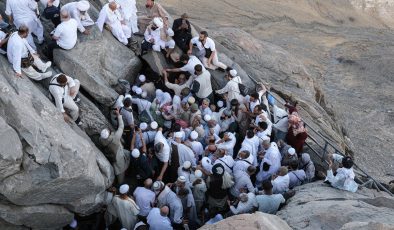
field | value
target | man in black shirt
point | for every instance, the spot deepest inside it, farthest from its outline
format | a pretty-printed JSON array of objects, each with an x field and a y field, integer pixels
[{"x": 182, "y": 32}]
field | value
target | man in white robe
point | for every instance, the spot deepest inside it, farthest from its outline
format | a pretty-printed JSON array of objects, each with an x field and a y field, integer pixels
[
  {"x": 25, "y": 13},
  {"x": 111, "y": 16},
  {"x": 78, "y": 11},
  {"x": 18, "y": 48},
  {"x": 166, "y": 197},
  {"x": 124, "y": 208},
  {"x": 128, "y": 9},
  {"x": 159, "y": 38}
]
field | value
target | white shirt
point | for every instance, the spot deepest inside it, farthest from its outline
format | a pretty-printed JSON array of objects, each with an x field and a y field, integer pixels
[
  {"x": 155, "y": 34},
  {"x": 67, "y": 34},
  {"x": 197, "y": 148},
  {"x": 281, "y": 184},
  {"x": 127, "y": 8},
  {"x": 245, "y": 207},
  {"x": 55, "y": 3},
  {"x": 164, "y": 154},
  {"x": 273, "y": 155},
  {"x": 144, "y": 198},
  {"x": 227, "y": 162},
  {"x": 242, "y": 180},
  {"x": 209, "y": 44},
  {"x": 270, "y": 203},
  {"x": 22, "y": 12},
  {"x": 76, "y": 14},
  {"x": 59, "y": 92},
  {"x": 189, "y": 67},
  {"x": 241, "y": 165},
  {"x": 158, "y": 222},
  {"x": 228, "y": 145},
  {"x": 280, "y": 119},
  {"x": 251, "y": 145},
  {"x": 18, "y": 48}
]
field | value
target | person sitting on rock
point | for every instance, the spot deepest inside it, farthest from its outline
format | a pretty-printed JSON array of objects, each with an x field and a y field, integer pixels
[
  {"x": 297, "y": 176},
  {"x": 22, "y": 56},
  {"x": 24, "y": 13},
  {"x": 182, "y": 32},
  {"x": 207, "y": 52},
  {"x": 153, "y": 10},
  {"x": 290, "y": 156},
  {"x": 64, "y": 91},
  {"x": 128, "y": 9},
  {"x": 246, "y": 203},
  {"x": 201, "y": 86},
  {"x": 306, "y": 164},
  {"x": 65, "y": 34},
  {"x": 281, "y": 181},
  {"x": 112, "y": 18},
  {"x": 3, "y": 41},
  {"x": 189, "y": 63},
  {"x": 158, "y": 38},
  {"x": 78, "y": 11},
  {"x": 113, "y": 148},
  {"x": 124, "y": 208},
  {"x": 344, "y": 177},
  {"x": 269, "y": 202}
]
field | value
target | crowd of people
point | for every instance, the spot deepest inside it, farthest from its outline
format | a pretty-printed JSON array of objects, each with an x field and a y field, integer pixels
[{"x": 184, "y": 154}]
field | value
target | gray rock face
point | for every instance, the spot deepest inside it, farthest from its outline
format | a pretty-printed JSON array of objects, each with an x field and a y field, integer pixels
[
  {"x": 98, "y": 61},
  {"x": 11, "y": 150},
  {"x": 255, "y": 221},
  {"x": 60, "y": 164},
  {"x": 38, "y": 217},
  {"x": 318, "y": 206}
]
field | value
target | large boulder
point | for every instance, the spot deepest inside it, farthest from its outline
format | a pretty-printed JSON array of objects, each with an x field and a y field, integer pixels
[
  {"x": 255, "y": 221},
  {"x": 11, "y": 150},
  {"x": 98, "y": 61},
  {"x": 319, "y": 206},
  {"x": 37, "y": 217},
  {"x": 60, "y": 164}
]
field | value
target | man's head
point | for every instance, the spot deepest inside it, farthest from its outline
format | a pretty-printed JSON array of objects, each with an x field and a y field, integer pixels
[
  {"x": 243, "y": 154},
  {"x": 62, "y": 79},
  {"x": 266, "y": 144},
  {"x": 148, "y": 183},
  {"x": 251, "y": 170},
  {"x": 220, "y": 153},
  {"x": 283, "y": 171},
  {"x": 83, "y": 6},
  {"x": 250, "y": 133},
  {"x": 112, "y": 6},
  {"x": 254, "y": 97},
  {"x": 185, "y": 92},
  {"x": 205, "y": 103},
  {"x": 347, "y": 162},
  {"x": 164, "y": 211},
  {"x": 181, "y": 182},
  {"x": 127, "y": 102},
  {"x": 178, "y": 137},
  {"x": 64, "y": 15},
  {"x": 184, "y": 58},
  {"x": 181, "y": 79},
  {"x": 263, "y": 125},
  {"x": 203, "y": 35},
  {"x": 293, "y": 165},
  {"x": 23, "y": 31},
  {"x": 198, "y": 69},
  {"x": 184, "y": 16},
  {"x": 257, "y": 109},
  {"x": 158, "y": 147},
  {"x": 149, "y": 3},
  {"x": 234, "y": 104}
]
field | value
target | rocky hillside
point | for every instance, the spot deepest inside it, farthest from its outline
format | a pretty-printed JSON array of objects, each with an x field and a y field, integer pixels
[{"x": 333, "y": 56}]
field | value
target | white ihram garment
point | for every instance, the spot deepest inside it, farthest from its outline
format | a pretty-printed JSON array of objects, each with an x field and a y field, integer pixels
[
  {"x": 129, "y": 12},
  {"x": 114, "y": 20}
]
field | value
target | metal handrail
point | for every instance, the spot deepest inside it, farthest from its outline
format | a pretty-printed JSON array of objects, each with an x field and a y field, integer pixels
[{"x": 325, "y": 145}]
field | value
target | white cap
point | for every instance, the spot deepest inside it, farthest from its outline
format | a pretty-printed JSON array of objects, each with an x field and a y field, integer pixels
[
  {"x": 266, "y": 138},
  {"x": 142, "y": 78},
  {"x": 157, "y": 185},
  {"x": 181, "y": 179},
  {"x": 134, "y": 88},
  {"x": 233, "y": 73},
  {"x": 191, "y": 100},
  {"x": 178, "y": 135},
  {"x": 198, "y": 173},
  {"x": 291, "y": 151},
  {"x": 154, "y": 125},
  {"x": 144, "y": 94},
  {"x": 135, "y": 153},
  {"x": 207, "y": 117},
  {"x": 73, "y": 223},
  {"x": 83, "y": 5},
  {"x": 170, "y": 32},
  {"x": 138, "y": 91},
  {"x": 124, "y": 189},
  {"x": 193, "y": 135},
  {"x": 143, "y": 126},
  {"x": 220, "y": 104},
  {"x": 158, "y": 22},
  {"x": 127, "y": 96},
  {"x": 104, "y": 134},
  {"x": 187, "y": 164}
]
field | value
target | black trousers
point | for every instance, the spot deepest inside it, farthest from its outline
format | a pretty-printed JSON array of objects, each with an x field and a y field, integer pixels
[{"x": 51, "y": 46}]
